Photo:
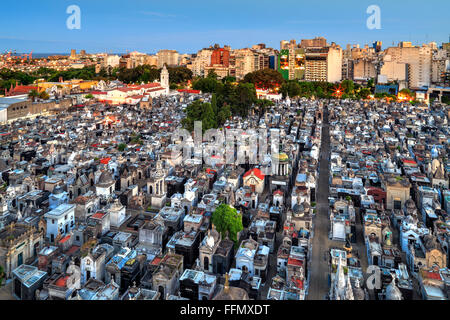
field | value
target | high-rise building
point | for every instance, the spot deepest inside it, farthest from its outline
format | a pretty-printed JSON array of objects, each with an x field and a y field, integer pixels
[
  {"x": 151, "y": 60},
  {"x": 291, "y": 63},
  {"x": 168, "y": 57},
  {"x": 317, "y": 42},
  {"x": 220, "y": 56},
  {"x": 417, "y": 61},
  {"x": 364, "y": 69},
  {"x": 243, "y": 61},
  {"x": 284, "y": 45},
  {"x": 440, "y": 63},
  {"x": 200, "y": 61},
  {"x": 323, "y": 64}
]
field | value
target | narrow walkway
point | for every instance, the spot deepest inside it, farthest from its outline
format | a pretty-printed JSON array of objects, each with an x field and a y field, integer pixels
[{"x": 318, "y": 285}]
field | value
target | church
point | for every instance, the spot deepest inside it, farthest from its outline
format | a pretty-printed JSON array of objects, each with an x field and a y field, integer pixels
[{"x": 133, "y": 94}]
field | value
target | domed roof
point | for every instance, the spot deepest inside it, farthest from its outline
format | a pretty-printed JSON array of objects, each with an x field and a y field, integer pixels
[{"x": 105, "y": 179}]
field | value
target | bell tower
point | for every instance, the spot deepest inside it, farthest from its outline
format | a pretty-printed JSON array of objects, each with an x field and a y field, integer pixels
[{"x": 165, "y": 78}]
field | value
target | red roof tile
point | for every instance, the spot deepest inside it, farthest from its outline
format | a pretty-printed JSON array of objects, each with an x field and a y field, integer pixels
[{"x": 256, "y": 172}]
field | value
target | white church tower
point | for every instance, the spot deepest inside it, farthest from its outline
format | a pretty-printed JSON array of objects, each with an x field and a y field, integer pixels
[{"x": 165, "y": 78}]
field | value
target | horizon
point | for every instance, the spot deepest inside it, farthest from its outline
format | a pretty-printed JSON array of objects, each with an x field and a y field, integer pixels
[{"x": 149, "y": 26}]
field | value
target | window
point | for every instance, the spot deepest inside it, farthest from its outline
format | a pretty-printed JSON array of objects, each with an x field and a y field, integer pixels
[{"x": 53, "y": 221}]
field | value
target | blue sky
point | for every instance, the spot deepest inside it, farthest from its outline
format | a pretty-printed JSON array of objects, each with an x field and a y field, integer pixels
[{"x": 187, "y": 26}]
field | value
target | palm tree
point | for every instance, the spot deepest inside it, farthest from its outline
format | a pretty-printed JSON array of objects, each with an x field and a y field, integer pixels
[
  {"x": 33, "y": 94},
  {"x": 44, "y": 95}
]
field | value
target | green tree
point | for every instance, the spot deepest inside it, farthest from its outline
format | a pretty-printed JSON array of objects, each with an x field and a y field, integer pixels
[
  {"x": 243, "y": 98},
  {"x": 263, "y": 104},
  {"x": 363, "y": 93},
  {"x": 209, "y": 85},
  {"x": 33, "y": 94},
  {"x": 291, "y": 89},
  {"x": 226, "y": 218},
  {"x": 266, "y": 78},
  {"x": 179, "y": 74},
  {"x": 223, "y": 115},
  {"x": 199, "y": 111},
  {"x": 214, "y": 103},
  {"x": 44, "y": 95},
  {"x": 212, "y": 74},
  {"x": 348, "y": 86},
  {"x": 121, "y": 147}
]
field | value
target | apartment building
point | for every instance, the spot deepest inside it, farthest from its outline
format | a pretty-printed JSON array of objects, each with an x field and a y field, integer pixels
[
  {"x": 323, "y": 64},
  {"x": 169, "y": 57},
  {"x": 410, "y": 63}
]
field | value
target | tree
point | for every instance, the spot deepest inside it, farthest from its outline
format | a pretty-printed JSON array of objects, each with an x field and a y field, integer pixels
[
  {"x": 209, "y": 85},
  {"x": 243, "y": 98},
  {"x": 291, "y": 89},
  {"x": 214, "y": 103},
  {"x": 348, "y": 86},
  {"x": 266, "y": 78},
  {"x": 263, "y": 104},
  {"x": 363, "y": 93},
  {"x": 33, "y": 94},
  {"x": 226, "y": 218},
  {"x": 121, "y": 147},
  {"x": 199, "y": 111},
  {"x": 89, "y": 96},
  {"x": 44, "y": 95},
  {"x": 208, "y": 117},
  {"x": 179, "y": 74},
  {"x": 212, "y": 74},
  {"x": 223, "y": 115}
]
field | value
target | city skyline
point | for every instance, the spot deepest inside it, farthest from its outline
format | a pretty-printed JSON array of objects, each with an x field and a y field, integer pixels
[{"x": 149, "y": 27}]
